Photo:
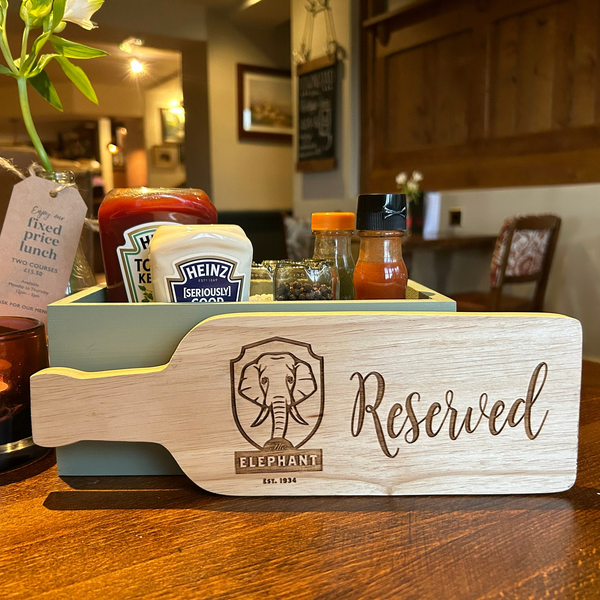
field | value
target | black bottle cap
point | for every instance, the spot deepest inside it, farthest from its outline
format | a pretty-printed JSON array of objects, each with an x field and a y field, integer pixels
[{"x": 381, "y": 212}]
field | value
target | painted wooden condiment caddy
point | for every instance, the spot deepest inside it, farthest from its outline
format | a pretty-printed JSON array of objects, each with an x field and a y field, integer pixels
[
  {"x": 90, "y": 334},
  {"x": 377, "y": 403}
]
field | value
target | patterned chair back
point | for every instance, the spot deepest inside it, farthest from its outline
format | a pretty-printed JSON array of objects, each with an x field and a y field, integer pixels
[{"x": 523, "y": 253}]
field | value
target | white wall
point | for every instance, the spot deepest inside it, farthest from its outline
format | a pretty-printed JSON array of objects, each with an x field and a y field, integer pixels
[
  {"x": 333, "y": 190},
  {"x": 246, "y": 175},
  {"x": 165, "y": 95},
  {"x": 574, "y": 284}
]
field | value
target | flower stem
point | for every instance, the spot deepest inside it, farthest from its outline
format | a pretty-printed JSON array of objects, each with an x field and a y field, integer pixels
[
  {"x": 24, "y": 44},
  {"x": 5, "y": 48},
  {"x": 28, "y": 120}
]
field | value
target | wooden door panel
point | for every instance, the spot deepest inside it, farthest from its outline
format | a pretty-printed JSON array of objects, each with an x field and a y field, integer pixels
[
  {"x": 408, "y": 119},
  {"x": 503, "y": 100},
  {"x": 454, "y": 82},
  {"x": 424, "y": 101},
  {"x": 522, "y": 64}
]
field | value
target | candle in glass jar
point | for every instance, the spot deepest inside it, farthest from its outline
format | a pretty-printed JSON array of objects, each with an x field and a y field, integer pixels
[
  {"x": 4, "y": 366},
  {"x": 23, "y": 352}
]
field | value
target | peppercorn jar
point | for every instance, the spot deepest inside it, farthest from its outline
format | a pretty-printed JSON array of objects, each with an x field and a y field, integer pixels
[
  {"x": 380, "y": 272},
  {"x": 306, "y": 280},
  {"x": 333, "y": 233}
]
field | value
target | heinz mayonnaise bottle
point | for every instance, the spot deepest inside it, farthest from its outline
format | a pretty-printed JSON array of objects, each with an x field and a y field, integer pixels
[{"x": 200, "y": 263}]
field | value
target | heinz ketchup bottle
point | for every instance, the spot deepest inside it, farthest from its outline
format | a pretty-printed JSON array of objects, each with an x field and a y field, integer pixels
[{"x": 128, "y": 219}]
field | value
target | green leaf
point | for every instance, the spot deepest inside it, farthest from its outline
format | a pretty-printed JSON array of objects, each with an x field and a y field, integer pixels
[
  {"x": 6, "y": 71},
  {"x": 41, "y": 64},
  {"x": 74, "y": 50},
  {"x": 58, "y": 12},
  {"x": 79, "y": 78},
  {"x": 43, "y": 86},
  {"x": 38, "y": 45}
]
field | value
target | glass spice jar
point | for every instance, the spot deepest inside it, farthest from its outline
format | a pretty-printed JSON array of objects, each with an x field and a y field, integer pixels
[
  {"x": 333, "y": 233},
  {"x": 82, "y": 276},
  {"x": 261, "y": 280},
  {"x": 306, "y": 280}
]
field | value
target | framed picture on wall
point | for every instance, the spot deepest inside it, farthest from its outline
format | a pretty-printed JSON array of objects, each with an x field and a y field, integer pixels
[
  {"x": 165, "y": 157},
  {"x": 264, "y": 104},
  {"x": 173, "y": 125}
]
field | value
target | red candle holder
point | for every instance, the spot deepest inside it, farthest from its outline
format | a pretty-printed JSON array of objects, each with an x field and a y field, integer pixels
[{"x": 23, "y": 351}]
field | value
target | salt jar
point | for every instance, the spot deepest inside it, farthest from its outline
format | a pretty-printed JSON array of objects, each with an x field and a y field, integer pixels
[{"x": 261, "y": 283}]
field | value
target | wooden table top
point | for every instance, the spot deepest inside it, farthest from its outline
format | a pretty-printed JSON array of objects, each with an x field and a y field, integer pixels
[
  {"x": 132, "y": 537},
  {"x": 449, "y": 242}
]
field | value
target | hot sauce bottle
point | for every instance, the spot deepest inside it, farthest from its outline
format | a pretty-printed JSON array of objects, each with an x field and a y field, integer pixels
[
  {"x": 380, "y": 272},
  {"x": 128, "y": 219}
]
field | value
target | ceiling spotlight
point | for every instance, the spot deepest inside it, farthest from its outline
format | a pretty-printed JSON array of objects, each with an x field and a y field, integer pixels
[{"x": 136, "y": 66}]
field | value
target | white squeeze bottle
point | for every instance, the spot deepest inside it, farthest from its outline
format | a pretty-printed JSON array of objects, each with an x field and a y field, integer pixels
[{"x": 200, "y": 263}]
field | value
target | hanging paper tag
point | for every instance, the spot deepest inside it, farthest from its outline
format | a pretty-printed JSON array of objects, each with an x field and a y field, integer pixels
[{"x": 37, "y": 246}]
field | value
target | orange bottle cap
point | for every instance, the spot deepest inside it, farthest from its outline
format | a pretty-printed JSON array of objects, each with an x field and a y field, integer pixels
[{"x": 333, "y": 221}]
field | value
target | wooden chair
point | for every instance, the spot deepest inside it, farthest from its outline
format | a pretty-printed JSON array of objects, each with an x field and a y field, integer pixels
[{"x": 523, "y": 253}]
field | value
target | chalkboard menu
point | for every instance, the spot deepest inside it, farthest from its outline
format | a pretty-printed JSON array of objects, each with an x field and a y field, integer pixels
[{"x": 317, "y": 105}]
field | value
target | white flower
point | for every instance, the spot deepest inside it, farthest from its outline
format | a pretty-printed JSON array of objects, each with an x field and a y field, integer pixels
[
  {"x": 412, "y": 186},
  {"x": 401, "y": 178},
  {"x": 417, "y": 176},
  {"x": 80, "y": 12}
]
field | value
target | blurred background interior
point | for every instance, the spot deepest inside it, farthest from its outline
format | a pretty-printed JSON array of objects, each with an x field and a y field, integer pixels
[{"x": 496, "y": 102}]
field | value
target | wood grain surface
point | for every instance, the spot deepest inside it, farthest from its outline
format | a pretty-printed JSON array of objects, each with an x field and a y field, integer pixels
[
  {"x": 133, "y": 537},
  {"x": 483, "y": 94},
  {"x": 336, "y": 404}
]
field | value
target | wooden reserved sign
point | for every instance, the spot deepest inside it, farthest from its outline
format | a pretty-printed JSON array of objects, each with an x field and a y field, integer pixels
[{"x": 344, "y": 404}]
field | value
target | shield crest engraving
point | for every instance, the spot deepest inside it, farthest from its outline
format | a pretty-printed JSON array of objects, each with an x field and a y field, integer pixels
[{"x": 277, "y": 393}]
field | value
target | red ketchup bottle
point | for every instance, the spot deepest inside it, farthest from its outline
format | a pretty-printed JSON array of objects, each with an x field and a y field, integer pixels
[{"x": 128, "y": 219}]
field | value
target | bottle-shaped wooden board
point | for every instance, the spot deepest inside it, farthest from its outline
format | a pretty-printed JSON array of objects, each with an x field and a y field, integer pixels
[{"x": 344, "y": 404}]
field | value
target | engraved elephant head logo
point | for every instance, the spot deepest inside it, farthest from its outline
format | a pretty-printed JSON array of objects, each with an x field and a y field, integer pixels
[{"x": 277, "y": 393}]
